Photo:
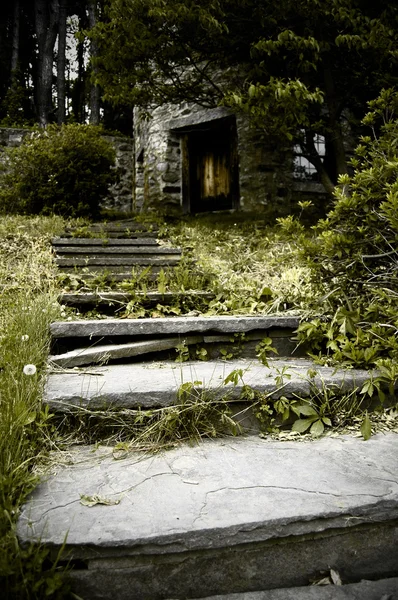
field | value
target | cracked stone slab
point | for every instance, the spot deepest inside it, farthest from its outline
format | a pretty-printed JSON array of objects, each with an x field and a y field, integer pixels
[
  {"x": 170, "y": 325},
  {"x": 156, "y": 384},
  {"x": 225, "y": 516},
  {"x": 103, "y": 353}
]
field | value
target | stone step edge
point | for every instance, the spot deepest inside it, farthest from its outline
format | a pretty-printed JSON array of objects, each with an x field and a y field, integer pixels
[
  {"x": 172, "y": 325},
  {"x": 131, "y": 251},
  {"x": 149, "y": 385},
  {"x": 122, "y": 262}
]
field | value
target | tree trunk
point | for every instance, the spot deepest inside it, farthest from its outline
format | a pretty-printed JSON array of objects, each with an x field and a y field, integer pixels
[
  {"x": 336, "y": 138},
  {"x": 312, "y": 155},
  {"x": 61, "y": 62},
  {"x": 15, "y": 40},
  {"x": 46, "y": 25},
  {"x": 94, "y": 89}
]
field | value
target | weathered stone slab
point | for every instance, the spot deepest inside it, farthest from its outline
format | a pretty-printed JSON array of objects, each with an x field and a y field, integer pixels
[
  {"x": 108, "y": 261},
  {"x": 230, "y": 515},
  {"x": 103, "y": 353},
  {"x": 170, "y": 325},
  {"x": 384, "y": 589},
  {"x": 104, "y": 242},
  {"x": 150, "y": 385},
  {"x": 124, "y": 249}
]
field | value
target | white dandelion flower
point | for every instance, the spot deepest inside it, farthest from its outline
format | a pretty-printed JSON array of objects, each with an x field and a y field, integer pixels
[
  {"x": 24, "y": 338},
  {"x": 29, "y": 369}
]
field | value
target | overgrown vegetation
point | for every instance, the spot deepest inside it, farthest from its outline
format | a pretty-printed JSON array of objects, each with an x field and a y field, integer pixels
[
  {"x": 354, "y": 256},
  {"x": 28, "y": 305},
  {"x": 61, "y": 170}
]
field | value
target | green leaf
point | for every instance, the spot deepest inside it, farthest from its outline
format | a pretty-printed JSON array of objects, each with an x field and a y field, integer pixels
[
  {"x": 302, "y": 425},
  {"x": 366, "y": 427},
  {"x": 317, "y": 428},
  {"x": 306, "y": 409}
]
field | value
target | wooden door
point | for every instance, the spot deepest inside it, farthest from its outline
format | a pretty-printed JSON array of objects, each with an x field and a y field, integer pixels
[{"x": 213, "y": 169}]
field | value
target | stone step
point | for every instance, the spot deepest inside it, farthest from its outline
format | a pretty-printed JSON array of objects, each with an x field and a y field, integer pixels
[
  {"x": 72, "y": 242},
  {"x": 129, "y": 251},
  {"x": 105, "y": 353},
  {"x": 149, "y": 385},
  {"x": 171, "y": 326},
  {"x": 171, "y": 260},
  {"x": 90, "y": 299},
  {"x": 383, "y": 589},
  {"x": 229, "y": 516}
]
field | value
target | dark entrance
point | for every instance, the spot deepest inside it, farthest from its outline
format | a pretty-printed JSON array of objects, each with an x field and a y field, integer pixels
[{"x": 210, "y": 167}]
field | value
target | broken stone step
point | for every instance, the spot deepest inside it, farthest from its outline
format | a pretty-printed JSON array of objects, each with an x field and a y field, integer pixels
[
  {"x": 105, "y": 353},
  {"x": 226, "y": 516},
  {"x": 104, "y": 242},
  {"x": 171, "y": 325},
  {"x": 151, "y": 298},
  {"x": 384, "y": 589},
  {"x": 148, "y": 385},
  {"x": 168, "y": 260}
]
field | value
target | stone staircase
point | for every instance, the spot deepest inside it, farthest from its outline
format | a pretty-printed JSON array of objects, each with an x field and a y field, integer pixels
[
  {"x": 245, "y": 518},
  {"x": 118, "y": 249}
]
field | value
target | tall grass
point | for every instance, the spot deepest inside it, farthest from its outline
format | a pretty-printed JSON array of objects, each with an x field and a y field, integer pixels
[{"x": 28, "y": 305}]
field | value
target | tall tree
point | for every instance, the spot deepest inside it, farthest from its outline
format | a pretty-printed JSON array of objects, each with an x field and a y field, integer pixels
[
  {"x": 95, "y": 95},
  {"x": 297, "y": 67},
  {"x": 61, "y": 61},
  {"x": 46, "y": 26}
]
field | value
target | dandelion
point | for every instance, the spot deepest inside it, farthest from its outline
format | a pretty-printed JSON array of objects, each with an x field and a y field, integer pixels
[
  {"x": 24, "y": 338},
  {"x": 63, "y": 314},
  {"x": 29, "y": 369}
]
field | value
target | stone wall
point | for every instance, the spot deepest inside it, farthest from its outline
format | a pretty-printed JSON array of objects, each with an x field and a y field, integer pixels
[
  {"x": 265, "y": 171},
  {"x": 120, "y": 195}
]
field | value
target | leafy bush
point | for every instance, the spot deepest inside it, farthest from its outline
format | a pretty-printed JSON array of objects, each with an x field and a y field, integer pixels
[
  {"x": 355, "y": 256},
  {"x": 63, "y": 170}
]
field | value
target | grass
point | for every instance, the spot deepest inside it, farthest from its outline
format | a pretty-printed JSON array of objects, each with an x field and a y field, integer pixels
[{"x": 28, "y": 305}]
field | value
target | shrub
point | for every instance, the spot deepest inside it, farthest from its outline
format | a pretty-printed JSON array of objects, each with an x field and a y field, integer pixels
[
  {"x": 60, "y": 170},
  {"x": 355, "y": 256}
]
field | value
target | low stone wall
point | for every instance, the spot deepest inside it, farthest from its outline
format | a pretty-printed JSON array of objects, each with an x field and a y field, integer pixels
[{"x": 120, "y": 195}]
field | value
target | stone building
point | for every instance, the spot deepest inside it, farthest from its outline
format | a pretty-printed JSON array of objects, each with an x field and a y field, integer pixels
[{"x": 189, "y": 159}]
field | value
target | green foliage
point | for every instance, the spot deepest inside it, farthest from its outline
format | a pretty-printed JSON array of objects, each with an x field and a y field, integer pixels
[
  {"x": 355, "y": 255},
  {"x": 295, "y": 67},
  {"x": 60, "y": 170},
  {"x": 27, "y": 430}
]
